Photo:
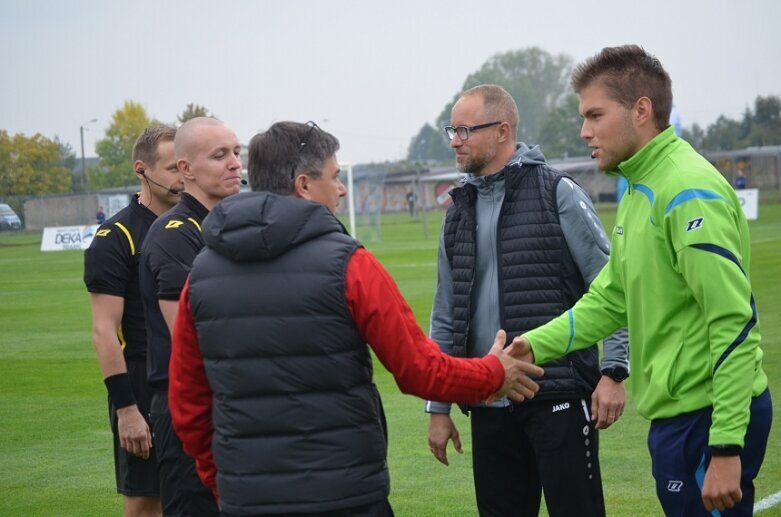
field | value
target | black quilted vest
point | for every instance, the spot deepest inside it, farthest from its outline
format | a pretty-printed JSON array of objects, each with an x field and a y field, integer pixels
[
  {"x": 538, "y": 279},
  {"x": 298, "y": 424}
]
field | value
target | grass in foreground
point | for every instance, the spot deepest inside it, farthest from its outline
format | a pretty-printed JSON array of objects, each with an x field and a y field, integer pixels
[{"x": 55, "y": 454}]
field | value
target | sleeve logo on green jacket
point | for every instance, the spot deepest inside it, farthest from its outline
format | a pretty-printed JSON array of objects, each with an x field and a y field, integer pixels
[
  {"x": 620, "y": 230},
  {"x": 694, "y": 224}
]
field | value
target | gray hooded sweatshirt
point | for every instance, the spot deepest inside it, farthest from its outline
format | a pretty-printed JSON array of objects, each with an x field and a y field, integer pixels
[{"x": 587, "y": 242}]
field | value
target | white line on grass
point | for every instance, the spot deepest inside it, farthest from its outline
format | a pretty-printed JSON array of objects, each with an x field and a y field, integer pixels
[{"x": 767, "y": 503}]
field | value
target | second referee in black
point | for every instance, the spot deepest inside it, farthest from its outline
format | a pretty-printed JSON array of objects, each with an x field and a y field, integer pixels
[{"x": 207, "y": 153}]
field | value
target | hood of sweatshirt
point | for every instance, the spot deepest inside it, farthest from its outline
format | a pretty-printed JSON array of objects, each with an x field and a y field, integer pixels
[
  {"x": 261, "y": 226},
  {"x": 524, "y": 155}
]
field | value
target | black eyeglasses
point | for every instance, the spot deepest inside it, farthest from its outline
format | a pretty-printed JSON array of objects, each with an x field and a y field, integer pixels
[
  {"x": 312, "y": 125},
  {"x": 463, "y": 131}
]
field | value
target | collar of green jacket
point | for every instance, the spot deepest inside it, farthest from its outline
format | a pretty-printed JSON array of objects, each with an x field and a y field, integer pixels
[{"x": 644, "y": 161}]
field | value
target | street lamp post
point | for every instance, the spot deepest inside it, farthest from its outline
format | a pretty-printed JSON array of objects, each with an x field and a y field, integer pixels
[{"x": 85, "y": 180}]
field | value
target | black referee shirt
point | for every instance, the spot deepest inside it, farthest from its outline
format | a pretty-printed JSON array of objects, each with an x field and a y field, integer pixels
[
  {"x": 167, "y": 255},
  {"x": 111, "y": 267}
]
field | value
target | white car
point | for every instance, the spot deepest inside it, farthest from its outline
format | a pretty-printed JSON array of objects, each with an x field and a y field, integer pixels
[{"x": 8, "y": 218}]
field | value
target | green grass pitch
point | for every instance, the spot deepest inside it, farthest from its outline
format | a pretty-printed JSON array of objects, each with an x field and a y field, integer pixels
[{"x": 55, "y": 443}]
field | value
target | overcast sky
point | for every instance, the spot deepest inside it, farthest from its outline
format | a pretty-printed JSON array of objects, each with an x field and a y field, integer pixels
[{"x": 370, "y": 72}]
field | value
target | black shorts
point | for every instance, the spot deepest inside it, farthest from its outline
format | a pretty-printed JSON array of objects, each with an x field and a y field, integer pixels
[
  {"x": 181, "y": 490},
  {"x": 136, "y": 477}
]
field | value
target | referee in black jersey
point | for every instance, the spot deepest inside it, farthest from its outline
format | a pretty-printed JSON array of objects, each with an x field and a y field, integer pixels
[
  {"x": 207, "y": 153},
  {"x": 118, "y": 331}
]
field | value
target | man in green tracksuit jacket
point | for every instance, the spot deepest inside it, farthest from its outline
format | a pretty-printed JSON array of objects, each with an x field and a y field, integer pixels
[{"x": 678, "y": 278}]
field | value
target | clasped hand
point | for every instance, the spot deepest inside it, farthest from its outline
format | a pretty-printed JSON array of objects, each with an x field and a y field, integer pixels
[{"x": 518, "y": 370}]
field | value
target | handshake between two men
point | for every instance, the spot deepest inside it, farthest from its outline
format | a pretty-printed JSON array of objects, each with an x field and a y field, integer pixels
[{"x": 519, "y": 369}]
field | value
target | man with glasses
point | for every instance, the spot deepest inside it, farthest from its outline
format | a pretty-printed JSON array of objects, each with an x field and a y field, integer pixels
[
  {"x": 519, "y": 245},
  {"x": 271, "y": 379},
  {"x": 207, "y": 156}
]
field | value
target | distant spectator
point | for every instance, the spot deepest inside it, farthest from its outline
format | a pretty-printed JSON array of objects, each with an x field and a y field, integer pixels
[
  {"x": 100, "y": 217},
  {"x": 412, "y": 198},
  {"x": 740, "y": 180}
]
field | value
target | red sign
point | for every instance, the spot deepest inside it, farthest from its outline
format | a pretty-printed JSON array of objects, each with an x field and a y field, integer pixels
[{"x": 442, "y": 191}]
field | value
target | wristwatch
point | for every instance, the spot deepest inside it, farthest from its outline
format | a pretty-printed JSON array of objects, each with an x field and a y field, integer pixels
[{"x": 617, "y": 373}]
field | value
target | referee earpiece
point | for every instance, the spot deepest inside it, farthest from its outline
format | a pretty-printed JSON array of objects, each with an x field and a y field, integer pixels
[{"x": 153, "y": 182}]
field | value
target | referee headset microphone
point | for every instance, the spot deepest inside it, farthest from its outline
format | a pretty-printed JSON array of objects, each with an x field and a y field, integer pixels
[
  {"x": 142, "y": 172},
  {"x": 153, "y": 182}
]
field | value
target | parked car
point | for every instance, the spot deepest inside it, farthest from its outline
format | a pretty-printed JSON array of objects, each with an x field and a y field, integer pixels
[{"x": 8, "y": 218}]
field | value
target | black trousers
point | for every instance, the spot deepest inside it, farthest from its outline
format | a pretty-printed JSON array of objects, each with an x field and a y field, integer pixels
[
  {"x": 523, "y": 450},
  {"x": 181, "y": 491}
]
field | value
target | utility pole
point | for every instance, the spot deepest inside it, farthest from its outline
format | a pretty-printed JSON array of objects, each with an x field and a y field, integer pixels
[{"x": 85, "y": 179}]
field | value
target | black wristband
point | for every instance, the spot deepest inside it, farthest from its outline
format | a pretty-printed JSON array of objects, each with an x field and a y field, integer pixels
[
  {"x": 725, "y": 450},
  {"x": 119, "y": 390}
]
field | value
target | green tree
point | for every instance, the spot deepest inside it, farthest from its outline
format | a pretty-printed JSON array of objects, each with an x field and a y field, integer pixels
[
  {"x": 724, "y": 134},
  {"x": 759, "y": 127},
  {"x": 192, "y": 111},
  {"x": 66, "y": 151},
  {"x": 116, "y": 149},
  {"x": 32, "y": 165},
  {"x": 765, "y": 124},
  {"x": 695, "y": 136},
  {"x": 429, "y": 144},
  {"x": 537, "y": 80},
  {"x": 560, "y": 134}
]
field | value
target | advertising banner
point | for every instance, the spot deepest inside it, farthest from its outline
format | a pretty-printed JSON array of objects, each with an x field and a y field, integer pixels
[
  {"x": 62, "y": 238},
  {"x": 749, "y": 200}
]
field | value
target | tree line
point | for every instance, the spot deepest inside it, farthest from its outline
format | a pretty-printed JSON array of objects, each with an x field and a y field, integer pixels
[
  {"x": 34, "y": 164},
  {"x": 538, "y": 80},
  {"x": 758, "y": 127},
  {"x": 37, "y": 165},
  {"x": 539, "y": 83}
]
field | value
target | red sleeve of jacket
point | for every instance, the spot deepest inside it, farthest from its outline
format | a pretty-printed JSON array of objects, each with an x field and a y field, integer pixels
[
  {"x": 387, "y": 323},
  {"x": 189, "y": 393}
]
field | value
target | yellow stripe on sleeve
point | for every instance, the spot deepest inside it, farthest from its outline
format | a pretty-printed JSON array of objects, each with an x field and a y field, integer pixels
[
  {"x": 195, "y": 223},
  {"x": 129, "y": 238}
]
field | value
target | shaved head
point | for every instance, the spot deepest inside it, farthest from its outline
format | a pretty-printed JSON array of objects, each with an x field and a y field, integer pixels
[
  {"x": 187, "y": 142},
  {"x": 208, "y": 156}
]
